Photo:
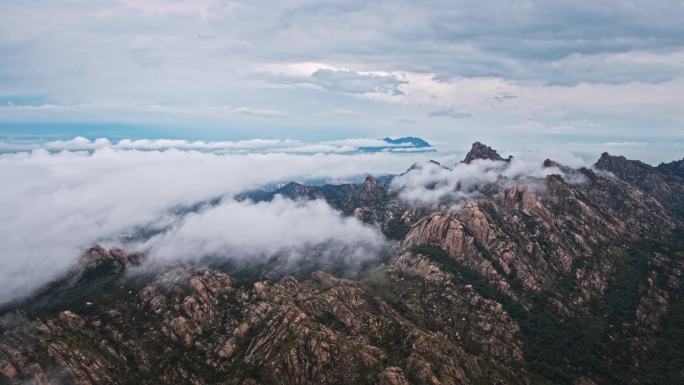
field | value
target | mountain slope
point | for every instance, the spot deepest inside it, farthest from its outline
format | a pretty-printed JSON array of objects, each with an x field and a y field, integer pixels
[{"x": 665, "y": 182}]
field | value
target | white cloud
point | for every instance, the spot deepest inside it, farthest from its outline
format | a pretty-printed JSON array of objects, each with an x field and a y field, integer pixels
[
  {"x": 201, "y": 8},
  {"x": 139, "y": 61},
  {"x": 345, "y": 112},
  {"x": 260, "y": 112},
  {"x": 240, "y": 147},
  {"x": 356, "y": 82},
  {"x": 53, "y": 204},
  {"x": 319, "y": 76},
  {"x": 431, "y": 184},
  {"x": 246, "y": 230},
  {"x": 624, "y": 144},
  {"x": 451, "y": 112}
]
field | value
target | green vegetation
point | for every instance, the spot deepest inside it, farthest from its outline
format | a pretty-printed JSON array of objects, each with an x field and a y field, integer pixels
[
  {"x": 561, "y": 349},
  {"x": 397, "y": 228},
  {"x": 103, "y": 284},
  {"x": 622, "y": 295},
  {"x": 666, "y": 365}
]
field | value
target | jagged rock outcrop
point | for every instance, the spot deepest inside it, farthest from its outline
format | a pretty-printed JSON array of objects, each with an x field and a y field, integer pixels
[
  {"x": 482, "y": 151},
  {"x": 196, "y": 326},
  {"x": 115, "y": 258},
  {"x": 665, "y": 183},
  {"x": 674, "y": 168}
]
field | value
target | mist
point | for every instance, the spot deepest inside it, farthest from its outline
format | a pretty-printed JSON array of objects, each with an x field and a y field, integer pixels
[
  {"x": 256, "y": 231},
  {"x": 60, "y": 198},
  {"x": 54, "y": 204},
  {"x": 430, "y": 183}
]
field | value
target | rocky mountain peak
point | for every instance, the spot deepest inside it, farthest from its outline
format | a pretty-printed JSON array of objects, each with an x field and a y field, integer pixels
[
  {"x": 370, "y": 184},
  {"x": 674, "y": 168},
  {"x": 621, "y": 166},
  {"x": 97, "y": 256},
  {"x": 431, "y": 162},
  {"x": 295, "y": 190},
  {"x": 607, "y": 159},
  {"x": 568, "y": 171},
  {"x": 550, "y": 163},
  {"x": 482, "y": 151},
  {"x": 663, "y": 182}
]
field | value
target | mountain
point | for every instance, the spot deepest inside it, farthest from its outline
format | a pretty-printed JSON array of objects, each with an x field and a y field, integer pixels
[
  {"x": 664, "y": 182},
  {"x": 574, "y": 278},
  {"x": 675, "y": 168},
  {"x": 483, "y": 152},
  {"x": 409, "y": 143},
  {"x": 409, "y": 140}
]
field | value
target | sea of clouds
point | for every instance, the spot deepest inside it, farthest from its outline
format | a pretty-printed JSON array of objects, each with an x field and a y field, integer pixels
[
  {"x": 280, "y": 227},
  {"x": 59, "y": 198},
  {"x": 290, "y": 146}
]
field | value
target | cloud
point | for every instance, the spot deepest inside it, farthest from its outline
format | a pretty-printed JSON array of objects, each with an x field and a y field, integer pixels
[
  {"x": 503, "y": 97},
  {"x": 621, "y": 144},
  {"x": 609, "y": 67},
  {"x": 324, "y": 77},
  {"x": 177, "y": 7},
  {"x": 54, "y": 204},
  {"x": 405, "y": 120},
  {"x": 534, "y": 40},
  {"x": 344, "y": 112},
  {"x": 256, "y": 231},
  {"x": 356, "y": 82},
  {"x": 598, "y": 69},
  {"x": 153, "y": 108},
  {"x": 262, "y": 112},
  {"x": 451, "y": 112},
  {"x": 264, "y": 146},
  {"x": 430, "y": 184}
]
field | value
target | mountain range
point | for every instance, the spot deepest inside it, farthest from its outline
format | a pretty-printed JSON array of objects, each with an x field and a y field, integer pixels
[{"x": 575, "y": 277}]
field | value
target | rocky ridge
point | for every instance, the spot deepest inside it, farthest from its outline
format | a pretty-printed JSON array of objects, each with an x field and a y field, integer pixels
[{"x": 482, "y": 151}]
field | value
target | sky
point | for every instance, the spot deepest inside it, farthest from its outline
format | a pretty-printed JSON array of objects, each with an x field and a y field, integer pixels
[
  {"x": 115, "y": 114},
  {"x": 586, "y": 76}
]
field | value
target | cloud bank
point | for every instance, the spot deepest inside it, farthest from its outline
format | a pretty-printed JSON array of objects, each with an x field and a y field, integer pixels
[
  {"x": 431, "y": 183},
  {"x": 248, "y": 146},
  {"x": 53, "y": 204},
  {"x": 246, "y": 230}
]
